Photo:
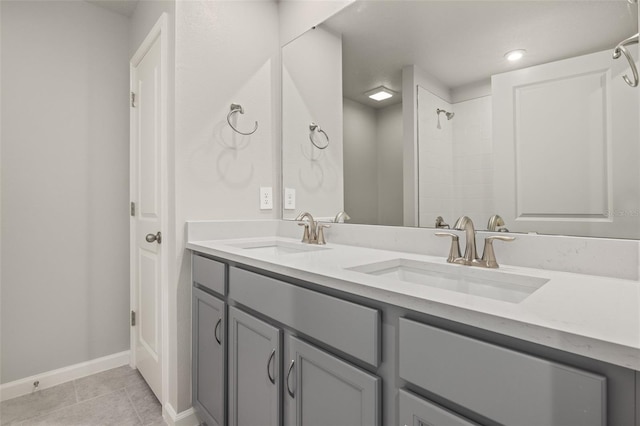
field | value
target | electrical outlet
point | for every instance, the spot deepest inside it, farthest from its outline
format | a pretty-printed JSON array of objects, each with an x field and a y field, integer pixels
[
  {"x": 266, "y": 198},
  {"x": 289, "y": 199}
]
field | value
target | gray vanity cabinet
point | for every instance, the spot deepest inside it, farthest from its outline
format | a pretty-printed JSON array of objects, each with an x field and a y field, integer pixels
[
  {"x": 415, "y": 411},
  {"x": 321, "y": 389},
  {"x": 254, "y": 371},
  {"x": 208, "y": 356}
]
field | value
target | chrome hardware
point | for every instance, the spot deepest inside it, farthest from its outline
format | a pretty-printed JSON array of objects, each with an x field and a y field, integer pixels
[
  {"x": 464, "y": 223},
  {"x": 305, "y": 234},
  {"x": 447, "y": 114},
  {"x": 287, "y": 381},
  {"x": 133, "y": 209},
  {"x": 314, "y": 128},
  {"x": 621, "y": 49},
  {"x": 441, "y": 224},
  {"x": 341, "y": 215},
  {"x": 133, "y": 100},
  {"x": 470, "y": 257},
  {"x": 154, "y": 238},
  {"x": 310, "y": 235},
  {"x": 271, "y": 378},
  {"x": 215, "y": 331},
  {"x": 133, "y": 318},
  {"x": 238, "y": 108},
  {"x": 489, "y": 256},
  {"x": 496, "y": 223},
  {"x": 320, "y": 227},
  {"x": 454, "y": 251}
]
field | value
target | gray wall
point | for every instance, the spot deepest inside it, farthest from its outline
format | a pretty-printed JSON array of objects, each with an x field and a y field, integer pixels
[
  {"x": 373, "y": 163},
  {"x": 64, "y": 161}
]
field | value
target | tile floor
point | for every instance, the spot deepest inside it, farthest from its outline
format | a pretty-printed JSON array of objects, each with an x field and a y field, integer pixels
[{"x": 114, "y": 397}]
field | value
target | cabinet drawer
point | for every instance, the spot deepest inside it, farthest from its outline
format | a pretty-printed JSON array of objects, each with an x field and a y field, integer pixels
[
  {"x": 506, "y": 386},
  {"x": 208, "y": 273},
  {"x": 346, "y": 326},
  {"x": 415, "y": 411}
]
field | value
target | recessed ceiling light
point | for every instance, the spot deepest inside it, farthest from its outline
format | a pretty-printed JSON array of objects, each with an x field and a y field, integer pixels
[
  {"x": 380, "y": 93},
  {"x": 515, "y": 55}
]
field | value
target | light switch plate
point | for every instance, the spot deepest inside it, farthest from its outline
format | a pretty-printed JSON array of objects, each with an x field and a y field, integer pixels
[
  {"x": 289, "y": 199},
  {"x": 266, "y": 198}
]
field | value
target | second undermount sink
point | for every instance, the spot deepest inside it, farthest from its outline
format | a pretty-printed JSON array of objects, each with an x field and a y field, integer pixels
[
  {"x": 277, "y": 247},
  {"x": 492, "y": 284}
]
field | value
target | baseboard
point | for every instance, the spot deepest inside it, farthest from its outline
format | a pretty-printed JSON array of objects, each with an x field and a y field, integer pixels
[
  {"x": 61, "y": 375},
  {"x": 184, "y": 418}
]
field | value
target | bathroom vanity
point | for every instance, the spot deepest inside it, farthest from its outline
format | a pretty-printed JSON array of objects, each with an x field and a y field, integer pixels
[{"x": 291, "y": 333}]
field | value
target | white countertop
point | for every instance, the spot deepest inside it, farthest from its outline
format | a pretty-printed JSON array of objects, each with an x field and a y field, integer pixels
[{"x": 597, "y": 317}]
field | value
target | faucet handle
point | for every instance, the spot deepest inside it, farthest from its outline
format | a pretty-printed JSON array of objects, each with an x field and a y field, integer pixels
[
  {"x": 305, "y": 235},
  {"x": 320, "y": 231},
  {"x": 454, "y": 251},
  {"x": 489, "y": 256}
]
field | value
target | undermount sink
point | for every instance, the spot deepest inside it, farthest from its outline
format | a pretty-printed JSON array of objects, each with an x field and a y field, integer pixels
[
  {"x": 277, "y": 247},
  {"x": 492, "y": 284}
]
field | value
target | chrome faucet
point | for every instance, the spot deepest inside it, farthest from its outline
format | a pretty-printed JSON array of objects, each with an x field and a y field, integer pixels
[
  {"x": 470, "y": 257},
  {"x": 464, "y": 223},
  {"x": 313, "y": 231},
  {"x": 496, "y": 223},
  {"x": 342, "y": 215}
]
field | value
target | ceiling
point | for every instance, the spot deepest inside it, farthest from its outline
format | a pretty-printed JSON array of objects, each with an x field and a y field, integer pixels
[
  {"x": 464, "y": 42},
  {"x": 122, "y": 7}
]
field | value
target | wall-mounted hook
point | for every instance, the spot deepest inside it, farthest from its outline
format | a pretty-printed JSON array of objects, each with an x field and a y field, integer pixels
[
  {"x": 314, "y": 128},
  {"x": 238, "y": 108}
]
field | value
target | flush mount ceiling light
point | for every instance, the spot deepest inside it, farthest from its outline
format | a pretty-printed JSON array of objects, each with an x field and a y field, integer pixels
[
  {"x": 515, "y": 55},
  {"x": 380, "y": 93}
]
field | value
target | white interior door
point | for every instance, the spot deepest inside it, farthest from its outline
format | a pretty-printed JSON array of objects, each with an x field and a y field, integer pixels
[
  {"x": 146, "y": 177},
  {"x": 566, "y": 148}
]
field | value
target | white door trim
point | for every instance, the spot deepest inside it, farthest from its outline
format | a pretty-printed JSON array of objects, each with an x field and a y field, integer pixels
[{"x": 159, "y": 31}]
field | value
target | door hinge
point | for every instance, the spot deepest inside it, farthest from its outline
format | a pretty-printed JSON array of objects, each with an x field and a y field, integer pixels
[
  {"x": 133, "y": 318},
  {"x": 133, "y": 208},
  {"x": 133, "y": 100}
]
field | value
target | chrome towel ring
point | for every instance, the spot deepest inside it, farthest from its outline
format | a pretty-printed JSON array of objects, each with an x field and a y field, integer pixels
[
  {"x": 238, "y": 108},
  {"x": 622, "y": 50},
  {"x": 314, "y": 128}
]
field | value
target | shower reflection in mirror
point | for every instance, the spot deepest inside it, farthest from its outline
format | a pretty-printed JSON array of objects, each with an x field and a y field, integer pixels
[{"x": 447, "y": 114}]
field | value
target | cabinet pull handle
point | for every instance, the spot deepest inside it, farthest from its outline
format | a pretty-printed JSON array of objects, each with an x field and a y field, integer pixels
[
  {"x": 215, "y": 331},
  {"x": 288, "y": 374},
  {"x": 271, "y": 379}
]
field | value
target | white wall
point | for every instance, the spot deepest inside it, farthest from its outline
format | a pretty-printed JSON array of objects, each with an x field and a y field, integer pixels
[
  {"x": 473, "y": 161},
  {"x": 435, "y": 149},
  {"x": 65, "y": 144},
  {"x": 298, "y": 16},
  {"x": 312, "y": 92},
  {"x": 226, "y": 52}
]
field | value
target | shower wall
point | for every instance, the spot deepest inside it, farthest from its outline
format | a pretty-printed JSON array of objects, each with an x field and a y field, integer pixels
[
  {"x": 473, "y": 161},
  {"x": 435, "y": 160},
  {"x": 455, "y": 162}
]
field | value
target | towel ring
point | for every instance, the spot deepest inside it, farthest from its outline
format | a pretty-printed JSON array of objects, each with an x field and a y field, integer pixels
[
  {"x": 238, "y": 108},
  {"x": 314, "y": 128},
  {"x": 621, "y": 49}
]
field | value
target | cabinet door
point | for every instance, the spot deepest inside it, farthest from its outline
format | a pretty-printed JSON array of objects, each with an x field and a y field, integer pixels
[
  {"x": 254, "y": 371},
  {"x": 208, "y": 357},
  {"x": 321, "y": 389},
  {"x": 415, "y": 411}
]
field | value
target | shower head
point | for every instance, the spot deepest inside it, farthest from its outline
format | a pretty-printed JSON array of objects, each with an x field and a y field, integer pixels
[{"x": 447, "y": 114}]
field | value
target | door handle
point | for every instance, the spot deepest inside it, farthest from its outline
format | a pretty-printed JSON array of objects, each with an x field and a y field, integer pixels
[
  {"x": 271, "y": 378},
  {"x": 154, "y": 238}
]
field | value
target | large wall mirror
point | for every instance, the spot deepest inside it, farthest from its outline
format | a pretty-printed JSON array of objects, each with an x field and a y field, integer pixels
[{"x": 550, "y": 142}]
